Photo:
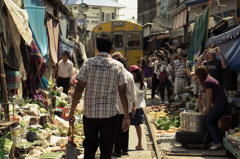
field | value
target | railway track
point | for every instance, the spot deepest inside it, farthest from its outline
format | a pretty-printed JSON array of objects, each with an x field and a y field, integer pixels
[{"x": 191, "y": 152}]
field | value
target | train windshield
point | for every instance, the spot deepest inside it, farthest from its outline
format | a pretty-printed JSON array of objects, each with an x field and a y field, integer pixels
[
  {"x": 134, "y": 39},
  {"x": 118, "y": 41}
]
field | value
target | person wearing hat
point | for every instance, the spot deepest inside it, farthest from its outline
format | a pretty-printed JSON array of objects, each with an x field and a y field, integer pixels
[
  {"x": 140, "y": 90},
  {"x": 122, "y": 138}
]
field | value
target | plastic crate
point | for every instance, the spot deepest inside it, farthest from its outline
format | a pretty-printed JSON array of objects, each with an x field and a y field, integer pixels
[{"x": 230, "y": 148}]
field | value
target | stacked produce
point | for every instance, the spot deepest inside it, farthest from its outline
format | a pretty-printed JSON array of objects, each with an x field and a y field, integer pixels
[
  {"x": 233, "y": 136},
  {"x": 165, "y": 117}
]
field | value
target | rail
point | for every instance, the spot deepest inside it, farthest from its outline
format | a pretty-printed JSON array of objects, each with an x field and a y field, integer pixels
[{"x": 152, "y": 135}]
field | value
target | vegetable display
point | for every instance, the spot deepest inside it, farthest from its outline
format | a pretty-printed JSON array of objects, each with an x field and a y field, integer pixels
[
  {"x": 166, "y": 117},
  {"x": 167, "y": 123},
  {"x": 7, "y": 145},
  {"x": 79, "y": 128}
]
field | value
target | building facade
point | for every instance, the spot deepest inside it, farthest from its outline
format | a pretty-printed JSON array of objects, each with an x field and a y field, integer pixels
[
  {"x": 98, "y": 12},
  {"x": 147, "y": 11}
]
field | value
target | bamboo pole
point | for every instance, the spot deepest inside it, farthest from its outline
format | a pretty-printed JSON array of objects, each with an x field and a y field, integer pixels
[
  {"x": 3, "y": 79},
  {"x": 209, "y": 13},
  {"x": 196, "y": 14},
  {"x": 4, "y": 86}
]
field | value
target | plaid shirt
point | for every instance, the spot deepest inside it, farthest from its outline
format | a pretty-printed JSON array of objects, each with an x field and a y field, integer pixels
[{"x": 102, "y": 75}]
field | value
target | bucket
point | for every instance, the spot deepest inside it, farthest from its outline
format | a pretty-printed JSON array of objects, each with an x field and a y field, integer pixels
[
  {"x": 31, "y": 136},
  {"x": 191, "y": 122},
  {"x": 15, "y": 136},
  {"x": 225, "y": 122}
]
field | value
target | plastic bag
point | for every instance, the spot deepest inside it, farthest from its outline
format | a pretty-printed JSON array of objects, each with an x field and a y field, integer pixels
[
  {"x": 34, "y": 154},
  {"x": 22, "y": 134},
  {"x": 33, "y": 109}
]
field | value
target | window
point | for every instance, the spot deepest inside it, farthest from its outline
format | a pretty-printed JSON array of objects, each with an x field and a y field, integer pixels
[
  {"x": 118, "y": 41},
  {"x": 70, "y": 8},
  {"x": 95, "y": 7},
  {"x": 134, "y": 39},
  {"x": 108, "y": 17},
  {"x": 102, "y": 18},
  {"x": 113, "y": 16},
  {"x": 75, "y": 7}
]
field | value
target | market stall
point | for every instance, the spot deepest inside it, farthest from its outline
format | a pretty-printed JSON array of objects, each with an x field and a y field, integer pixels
[{"x": 33, "y": 110}]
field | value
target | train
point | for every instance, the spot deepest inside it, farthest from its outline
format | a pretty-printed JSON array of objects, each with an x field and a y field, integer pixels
[{"x": 127, "y": 39}]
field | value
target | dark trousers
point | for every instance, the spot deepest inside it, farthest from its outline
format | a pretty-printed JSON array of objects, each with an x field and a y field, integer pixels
[
  {"x": 121, "y": 143},
  {"x": 162, "y": 86},
  {"x": 107, "y": 128},
  {"x": 64, "y": 82},
  {"x": 211, "y": 121},
  {"x": 155, "y": 83}
]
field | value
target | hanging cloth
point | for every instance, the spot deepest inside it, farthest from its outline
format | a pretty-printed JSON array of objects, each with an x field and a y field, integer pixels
[
  {"x": 36, "y": 20},
  {"x": 53, "y": 37},
  {"x": 20, "y": 18},
  {"x": 16, "y": 37},
  {"x": 35, "y": 55},
  {"x": 7, "y": 43}
]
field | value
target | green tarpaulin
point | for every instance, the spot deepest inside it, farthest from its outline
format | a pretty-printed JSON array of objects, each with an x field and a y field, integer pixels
[{"x": 199, "y": 36}]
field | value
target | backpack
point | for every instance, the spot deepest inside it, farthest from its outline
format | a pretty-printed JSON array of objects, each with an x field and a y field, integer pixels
[{"x": 163, "y": 77}]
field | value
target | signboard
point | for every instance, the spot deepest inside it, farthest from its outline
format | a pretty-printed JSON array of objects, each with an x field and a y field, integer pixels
[
  {"x": 81, "y": 21},
  {"x": 180, "y": 20},
  {"x": 163, "y": 7}
]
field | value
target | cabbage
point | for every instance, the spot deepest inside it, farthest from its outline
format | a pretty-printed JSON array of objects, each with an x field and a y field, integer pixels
[{"x": 47, "y": 125}]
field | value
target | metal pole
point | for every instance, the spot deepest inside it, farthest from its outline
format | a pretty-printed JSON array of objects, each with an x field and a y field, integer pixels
[{"x": 220, "y": 8}]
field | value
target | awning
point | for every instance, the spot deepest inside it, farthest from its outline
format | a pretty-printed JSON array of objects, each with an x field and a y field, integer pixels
[
  {"x": 163, "y": 22},
  {"x": 192, "y": 2},
  {"x": 163, "y": 37},
  {"x": 152, "y": 39},
  {"x": 178, "y": 33},
  {"x": 229, "y": 45}
]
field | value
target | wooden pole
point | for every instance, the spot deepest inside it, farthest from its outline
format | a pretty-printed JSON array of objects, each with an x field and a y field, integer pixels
[
  {"x": 3, "y": 79},
  {"x": 238, "y": 8},
  {"x": 196, "y": 14},
  {"x": 4, "y": 86}
]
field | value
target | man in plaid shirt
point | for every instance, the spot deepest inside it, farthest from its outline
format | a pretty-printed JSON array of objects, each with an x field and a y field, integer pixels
[{"x": 102, "y": 77}]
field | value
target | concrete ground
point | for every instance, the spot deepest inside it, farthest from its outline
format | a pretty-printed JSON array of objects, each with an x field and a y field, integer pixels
[{"x": 133, "y": 153}]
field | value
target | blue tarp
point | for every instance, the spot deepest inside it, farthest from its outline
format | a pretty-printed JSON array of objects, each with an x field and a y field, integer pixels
[
  {"x": 65, "y": 45},
  {"x": 33, "y": 3},
  {"x": 229, "y": 43},
  {"x": 192, "y": 2},
  {"x": 36, "y": 13}
]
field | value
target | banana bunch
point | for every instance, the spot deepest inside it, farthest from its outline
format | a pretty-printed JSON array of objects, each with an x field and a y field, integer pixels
[{"x": 237, "y": 134}]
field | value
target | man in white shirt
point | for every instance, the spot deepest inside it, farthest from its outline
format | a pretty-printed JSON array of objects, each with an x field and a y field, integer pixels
[
  {"x": 65, "y": 72},
  {"x": 122, "y": 138}
]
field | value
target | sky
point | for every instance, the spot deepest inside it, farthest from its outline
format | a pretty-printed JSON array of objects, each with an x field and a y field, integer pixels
[{"x": 129, "y": 11}]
